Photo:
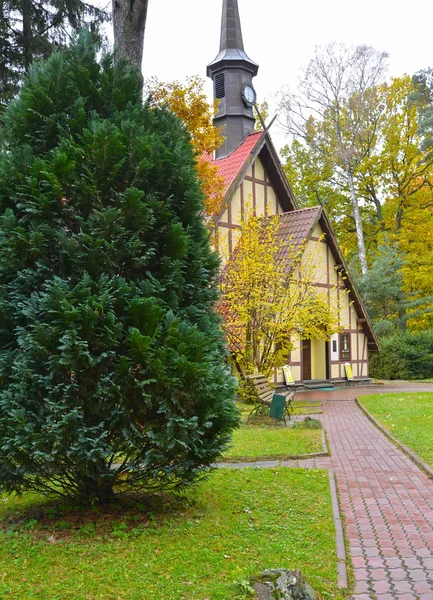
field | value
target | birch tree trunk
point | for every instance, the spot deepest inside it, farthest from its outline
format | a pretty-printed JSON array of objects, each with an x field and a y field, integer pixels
[
  {"x": 358, "y": 223},
  {"x": 129, "y": 23},
  {"x": 336, "y": 112}
]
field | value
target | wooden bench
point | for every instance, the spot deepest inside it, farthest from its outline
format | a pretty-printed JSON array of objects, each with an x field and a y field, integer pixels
[{"x": 267, "y": 399}]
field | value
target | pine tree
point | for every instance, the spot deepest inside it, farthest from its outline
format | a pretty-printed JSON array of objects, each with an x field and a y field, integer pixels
[
  {"x": 112, "y": 366},
  {"x": 423, "y": 99},
  {"x": 31, "y": 29}
]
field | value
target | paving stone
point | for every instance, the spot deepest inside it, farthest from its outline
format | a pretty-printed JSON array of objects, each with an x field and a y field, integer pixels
[
  {"x": 377, "y": 574},
  {"x": 422, "y": 587},
  {"x": 417, "y": 575},
  {"x": 381, "y": 587},
  {"x": 403, "y": 587},
  {"x": 393, "y": 563},
  {"x": 361, "y": 587},
  {"x": 405, "y": 551},
  {"x": 412, "y": 563},
  {"x": 361, "y": 574},
  {"x": 359, "y": 562},
  {"x": 371, "y": 552},
  {"x": 428, "y": 563},
  {"x": 397, "y": 574},
  {"x": 386, "y": 500},
  {"x": 376, "y": 562}
]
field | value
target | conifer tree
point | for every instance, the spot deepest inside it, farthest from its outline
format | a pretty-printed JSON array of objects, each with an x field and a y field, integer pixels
[
  {"x": 423, "y": 100},
  {"x": 112, "y": 365},
  {"x": 31, "y": 29}
]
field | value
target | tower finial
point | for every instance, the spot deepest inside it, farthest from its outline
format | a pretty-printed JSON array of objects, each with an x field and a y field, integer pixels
[
  {"x": 231, "y": 31},
  {"x": 231, "y": 44}
]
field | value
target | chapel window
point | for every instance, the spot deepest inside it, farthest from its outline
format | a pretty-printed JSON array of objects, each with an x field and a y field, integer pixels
[{"x": 345, "y": 346}]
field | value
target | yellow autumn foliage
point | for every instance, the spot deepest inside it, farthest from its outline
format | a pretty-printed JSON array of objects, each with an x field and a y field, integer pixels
[
  {"x": 189, "y": 102},
  {"x": 270, "y": 297}
]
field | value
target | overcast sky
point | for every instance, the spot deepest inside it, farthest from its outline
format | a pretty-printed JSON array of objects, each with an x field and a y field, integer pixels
[{"x": 182, "y": 36}]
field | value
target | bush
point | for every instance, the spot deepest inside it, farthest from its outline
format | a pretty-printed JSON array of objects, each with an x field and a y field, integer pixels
[
  {"x": 407, "y": 355},
  {"x": 112, "y": 364}
]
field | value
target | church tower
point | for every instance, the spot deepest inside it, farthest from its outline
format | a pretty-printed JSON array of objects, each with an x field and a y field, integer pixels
[{"x": 232, "y": 73}]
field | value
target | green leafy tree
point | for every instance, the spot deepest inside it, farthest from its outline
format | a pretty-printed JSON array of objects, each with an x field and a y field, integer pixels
[
  {"x": 315, "y": 182},
  {"x": 391, "y": 303},
  {"x": 423, "y": 99},
  {"x": 113, "y": 368},
  {"x": 382, "y": 290},
  {"x": 31, "y": 29}
]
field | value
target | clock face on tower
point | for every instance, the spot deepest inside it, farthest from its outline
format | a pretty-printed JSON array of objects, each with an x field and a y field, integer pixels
[{"x": 248, "y": 95}]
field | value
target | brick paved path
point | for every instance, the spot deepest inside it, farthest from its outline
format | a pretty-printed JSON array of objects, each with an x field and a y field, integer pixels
[{"x": 388, "y": 505}]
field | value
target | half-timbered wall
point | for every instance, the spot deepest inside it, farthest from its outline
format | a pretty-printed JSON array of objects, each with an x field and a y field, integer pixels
[
  {"x": 330, "y": 365},
  {"x": 255, "y": 191}
]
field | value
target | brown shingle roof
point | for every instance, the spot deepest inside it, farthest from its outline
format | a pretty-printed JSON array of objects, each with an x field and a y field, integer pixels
[
  {"x": 297, "y": 224},
  {"x": 293, "y": 231}
]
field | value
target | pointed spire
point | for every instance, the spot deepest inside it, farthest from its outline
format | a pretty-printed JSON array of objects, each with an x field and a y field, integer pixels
[
  {"x": 232, "y": 73},
  {"x": 231, "y": 44},
  {"x": 231, "y": 31}
]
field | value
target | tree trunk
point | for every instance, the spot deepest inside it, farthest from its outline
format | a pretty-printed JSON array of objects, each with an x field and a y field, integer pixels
[
  {"x": 358, "y": 223},
  {"x": 95, "y": 485},
  {"x": 129, "y": 22},
  {"x": 27, "y": 34},
  {"x": 371, "y": 189},
  {"x": 399, "y": 212}
]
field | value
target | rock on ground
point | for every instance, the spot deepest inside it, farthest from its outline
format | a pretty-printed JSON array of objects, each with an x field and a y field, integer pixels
[{"x": 284, "y": 585}]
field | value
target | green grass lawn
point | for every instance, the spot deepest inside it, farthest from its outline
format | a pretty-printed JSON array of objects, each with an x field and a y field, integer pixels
[
  {"x": 300, "y": 407},
  {"x": 306, "y": 407},
  {"x": 254, "y": 442},
  {"x": 234, "y": 525},
  {"x": 261, "y": 438},
  {"x": 408, "y": 416}
]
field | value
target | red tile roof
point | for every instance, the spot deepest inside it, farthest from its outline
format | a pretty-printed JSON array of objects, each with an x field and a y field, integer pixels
[
  {"x": 294, "y": 229},
  {"x": 231, "y": 165},
  {"x": 296, "y": 225}
]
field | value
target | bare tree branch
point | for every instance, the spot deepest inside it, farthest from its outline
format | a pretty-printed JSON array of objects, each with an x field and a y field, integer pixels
[{"x": 337, "y": 111}]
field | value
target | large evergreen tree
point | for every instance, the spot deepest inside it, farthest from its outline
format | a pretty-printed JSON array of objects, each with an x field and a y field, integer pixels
[
  {"x": 423, "y": 99},
  {"x": 112, "y": 364},
  {"x": 31, "y": 29}
]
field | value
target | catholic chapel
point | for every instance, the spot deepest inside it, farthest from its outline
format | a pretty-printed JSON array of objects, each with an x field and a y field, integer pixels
[{"x": 252, "y": 171}]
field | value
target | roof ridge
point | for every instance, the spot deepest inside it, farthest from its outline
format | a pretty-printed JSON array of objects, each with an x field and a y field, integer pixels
[
  {"x": 297, "y": 210},
  {"x": 254, "y": 133}
]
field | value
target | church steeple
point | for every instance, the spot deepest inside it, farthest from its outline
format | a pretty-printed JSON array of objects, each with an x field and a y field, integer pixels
[{"x": 232, "y": 72}]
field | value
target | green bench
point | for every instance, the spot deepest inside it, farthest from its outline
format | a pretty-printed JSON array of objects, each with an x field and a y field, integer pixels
[{"x": 278, "y": 405}]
